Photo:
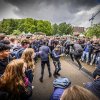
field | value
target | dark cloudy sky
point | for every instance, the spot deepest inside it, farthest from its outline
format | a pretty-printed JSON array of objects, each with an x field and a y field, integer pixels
[{"x": 75, "y": 12}]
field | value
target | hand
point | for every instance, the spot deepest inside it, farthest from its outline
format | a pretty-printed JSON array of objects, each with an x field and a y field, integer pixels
[{"x": 62, "y": 55}]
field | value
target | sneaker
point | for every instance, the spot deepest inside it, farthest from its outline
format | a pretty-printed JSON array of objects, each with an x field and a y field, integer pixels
[
  {"x": 84, "y": 84},
  {"x": 91, "y": 64},
  {"x": 50, "y": 75},
  {"x": 32, "y": 87},
  {"x": 58, "y": 74},
  {"x": 55, "y": 75},
  {"x": 66, "y": 55},
  {"x": 41, "y": 80}
]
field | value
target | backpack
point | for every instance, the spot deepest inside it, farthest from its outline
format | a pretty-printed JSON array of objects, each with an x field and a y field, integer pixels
[
  {"x": 3, "y": 95},
  {"x": 61, "y": 82},
  {"x": 17, "y": 54}
]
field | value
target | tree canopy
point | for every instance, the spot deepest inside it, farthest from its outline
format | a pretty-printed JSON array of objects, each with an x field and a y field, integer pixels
[
  {"x": 17, "y": 26},
  {"x": 93, "y": 31}
]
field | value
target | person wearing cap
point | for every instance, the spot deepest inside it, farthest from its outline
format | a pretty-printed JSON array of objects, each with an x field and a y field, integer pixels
[
  {"x": 56, "y": 54},
  {"x": 4, "y": 57}
]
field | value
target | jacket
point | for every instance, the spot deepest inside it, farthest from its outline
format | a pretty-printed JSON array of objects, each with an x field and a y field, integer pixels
[
  {"x": 3, "y": 64},
  {"x": 95, "y": 87},
  {"x": 44, "y": 52},
  {"x": 57, "y": 93},
  {"x": 56, "y": 55}
]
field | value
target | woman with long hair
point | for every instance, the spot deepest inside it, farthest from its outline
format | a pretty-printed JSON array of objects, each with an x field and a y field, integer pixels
[
  {"x": 78, "y": 93},
  {"x": 28, "y": 56},
  {"x": 14, "y": 82}
]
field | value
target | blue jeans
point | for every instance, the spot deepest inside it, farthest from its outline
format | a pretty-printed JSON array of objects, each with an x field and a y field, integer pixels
[
  {"x": 93, "y": 59},
  {"x": 85, "y": 54}
]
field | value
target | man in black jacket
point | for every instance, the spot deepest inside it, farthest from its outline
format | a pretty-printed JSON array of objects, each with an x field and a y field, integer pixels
[
  {"x": 4, "y": 57},
  {"x": 44, "y": 52},
  {"x": 77, "y": 53}
]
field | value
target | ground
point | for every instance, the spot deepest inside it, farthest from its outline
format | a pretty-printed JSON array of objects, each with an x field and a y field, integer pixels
[{"x": 42, "y": 91}]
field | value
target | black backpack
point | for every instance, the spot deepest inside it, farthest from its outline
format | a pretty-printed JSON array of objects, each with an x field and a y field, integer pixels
[{"x": 4, "y": 95}]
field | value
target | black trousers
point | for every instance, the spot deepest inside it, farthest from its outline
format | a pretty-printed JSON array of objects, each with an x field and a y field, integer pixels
[
  {"x": 43, "y": 66},
  {"x": 76, "y": 57}
]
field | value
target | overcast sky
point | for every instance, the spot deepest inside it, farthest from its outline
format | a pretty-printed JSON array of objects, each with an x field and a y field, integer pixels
[{"x": 75, "y": 12}]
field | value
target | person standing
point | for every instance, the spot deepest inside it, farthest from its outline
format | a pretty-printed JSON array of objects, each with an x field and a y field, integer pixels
[
  {"x": 44, "y": 52},
  {"x": 4, "y": 57},
  {"x": 87, "y": 51},
  {"x": 56, "y": 54},
  {"x": 27, "y": 56},
  {"x": 14, "y": 83}
]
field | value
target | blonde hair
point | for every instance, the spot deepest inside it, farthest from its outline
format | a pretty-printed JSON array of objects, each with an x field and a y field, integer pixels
[
  {"x": 13, "y": 76},
  {"x": 78, "y": 93},
  {"x": 27, "y": 56}
]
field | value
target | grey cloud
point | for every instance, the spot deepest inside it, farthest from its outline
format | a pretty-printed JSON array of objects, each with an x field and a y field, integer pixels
[
  {"x": 3, "y": 6},
  {"x": 56, "y": 2},
  {"x": 71, "y": 5},
  {"x": 56, "y": 11},
  {"x": 76, "y": 4}
]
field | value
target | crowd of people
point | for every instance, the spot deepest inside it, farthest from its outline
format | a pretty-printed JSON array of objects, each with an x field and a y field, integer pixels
[{"x": 19, "y": 55}]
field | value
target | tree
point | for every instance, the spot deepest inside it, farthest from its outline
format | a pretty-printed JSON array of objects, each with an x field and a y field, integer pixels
[
  {"x": 65, "y": 28},
  {"x": 44, "y": 26},
  {"x": 11, "y": 26},
  {"x": 16, "y": 32},
  {"x": 27, "y": 25},
  {"x": 8, "y": 25},
  {"x": 1, "y": 27},
  {"x": 93, "y": 31},
  {"x": 55, "y": 29}
]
